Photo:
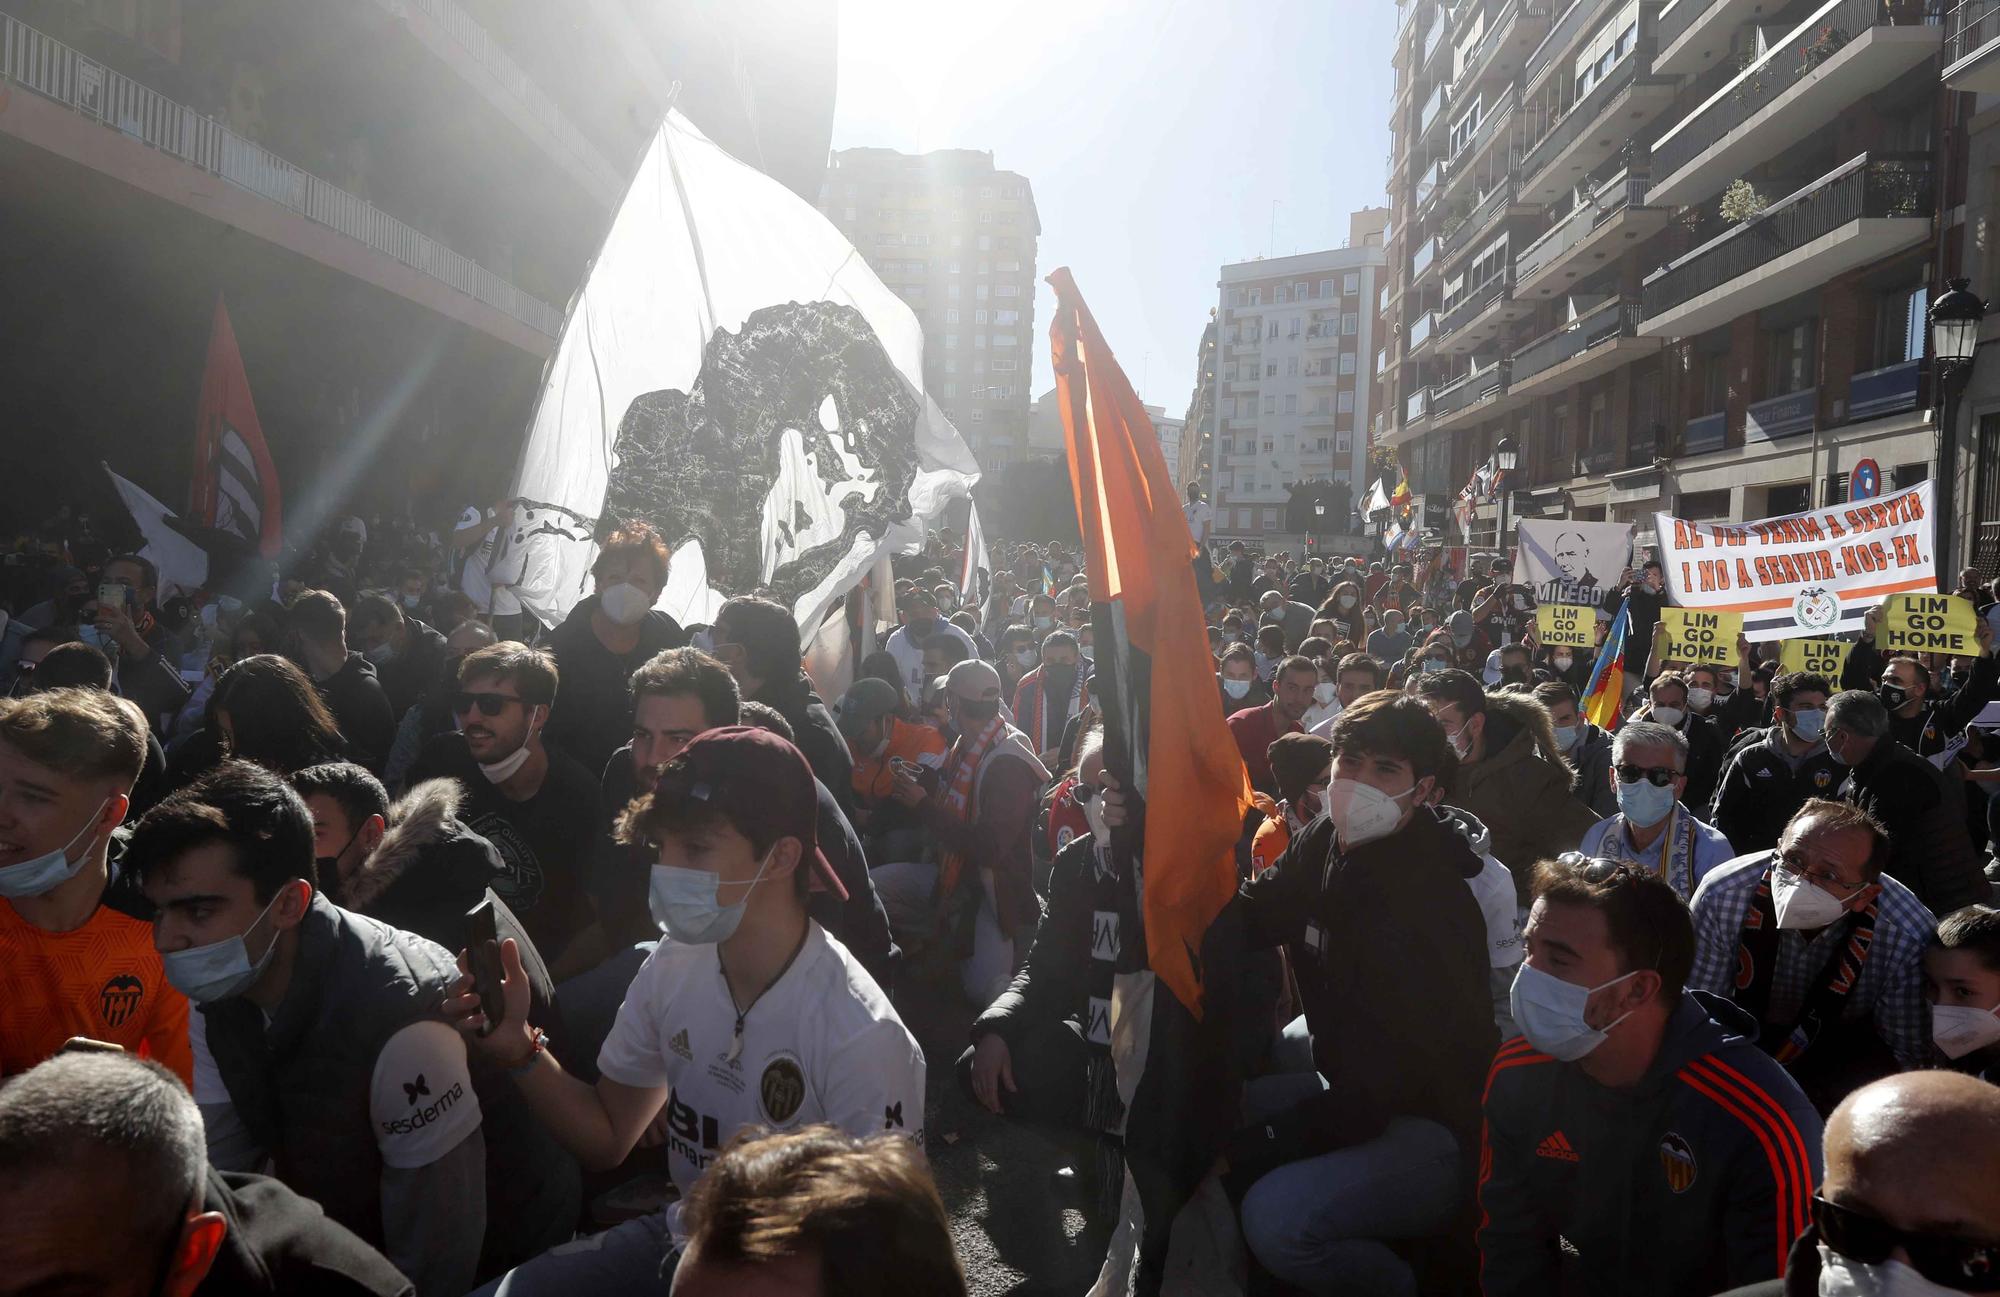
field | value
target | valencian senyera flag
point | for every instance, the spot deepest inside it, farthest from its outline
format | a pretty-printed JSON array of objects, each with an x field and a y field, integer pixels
[
  {"x": 1166, "y": 740},
  {"x": 235, "y": 484},
  {"x": 735, "y": 374},
  {"x": 1604, "y": 696}
]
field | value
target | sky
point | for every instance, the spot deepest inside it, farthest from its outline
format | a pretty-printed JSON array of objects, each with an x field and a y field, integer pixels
[{"x": 1157, "y": 134}]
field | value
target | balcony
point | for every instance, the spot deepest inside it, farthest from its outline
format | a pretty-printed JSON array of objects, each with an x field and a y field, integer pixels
[
  {"x": 1781, "y": 416},
  {"x": 1463, "y": 394},
  {"x": 1693, "y": 35},
  {"x": 1427, "y": 183},
  {"x": 1433, "y": 40},
  {"x": 1705, "y": 434},
  {"x": 1475, "y": 319},
  {"x": 1603, "y": 224},
  {"x": 1802, "y": 83},
  {"x": 1596, "y": 342},
  {"x": 1569, "y": 27},
  {"x": 1418, "y": 407},
  {"x": 1424, "y": 258},
  {"x": 1860, "y": 212},
  {"x": 1457, "y": 235},
  {"x": 1496, "y": 127},
  {"x": 1892, "y": 389},
  {"x": 1421, "y": 331},
  {"x": 1608, "y": 117},
  {"x": 1972, "y": 46},
  {"x": 1596, "y": 461},
  {"x": 1515, "y": 32},
  {"x": 1433, "y": 109},
  {"x": 53, "y": 70}
]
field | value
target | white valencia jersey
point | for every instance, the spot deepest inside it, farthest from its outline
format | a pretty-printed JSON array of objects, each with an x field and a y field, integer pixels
[{"x": 822, "y": 1044}]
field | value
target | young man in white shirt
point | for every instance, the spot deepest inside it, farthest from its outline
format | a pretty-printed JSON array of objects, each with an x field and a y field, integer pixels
[{"x": 747, "y": 1014}]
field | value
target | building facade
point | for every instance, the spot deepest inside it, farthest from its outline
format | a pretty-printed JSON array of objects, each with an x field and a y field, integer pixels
[
  {"x": 1294, "y": 393},
  {"x": 1679, "y": 253},
  {"x": 1170, "y": 429},
  {"x": 955, "y": 238}
]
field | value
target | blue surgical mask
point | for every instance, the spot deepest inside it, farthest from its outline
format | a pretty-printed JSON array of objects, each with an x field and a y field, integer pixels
[
  {"x": 1236, "y": 688},
  {"x": 1566, "y": 736},
  {"x": 47, "y": 872},
  {"x": 1644, "y": 804},
  {"x": 684, "y": 904},
  {"x": 221, "y": 969},
  {"x": 1809, "y": 723},
  {"x": 1550, "y": 1013}
]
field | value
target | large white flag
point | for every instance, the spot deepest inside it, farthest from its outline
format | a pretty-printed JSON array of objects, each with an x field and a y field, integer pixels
[
  {"x": 181, "y": 563},
  {"x": 1377, "y": 501},
  {"x": 735, "y": 374}
]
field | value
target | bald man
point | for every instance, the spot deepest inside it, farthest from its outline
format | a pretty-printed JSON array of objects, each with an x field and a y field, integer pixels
[{"x": 1911, "y": 1200}]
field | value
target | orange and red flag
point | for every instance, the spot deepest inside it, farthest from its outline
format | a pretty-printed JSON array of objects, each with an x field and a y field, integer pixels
[{"x": 1163, "y": 712}]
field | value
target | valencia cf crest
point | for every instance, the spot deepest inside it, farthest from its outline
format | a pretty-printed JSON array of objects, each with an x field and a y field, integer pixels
[
  {"x": 120, "y": 996},
  {"x": 782, "y": 1089},
  {"x": 1677, "y": 1160}
]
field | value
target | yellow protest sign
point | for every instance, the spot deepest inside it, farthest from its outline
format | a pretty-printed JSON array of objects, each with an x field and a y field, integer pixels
[
  {"x": 1567, "y": 624},
  {"x": 1928, "y": 623},
  {"x": 1825, "y": 657},
  {"x": 1697, "y": 636}
]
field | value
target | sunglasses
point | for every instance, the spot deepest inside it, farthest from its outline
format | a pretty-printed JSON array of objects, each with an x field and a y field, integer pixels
[
  {"x": 1598, "y": 869},
  {"x": 489, "y": 704},
  {"x": 1962, "y": 1264},
  {"x": 1657, "y": 776}
]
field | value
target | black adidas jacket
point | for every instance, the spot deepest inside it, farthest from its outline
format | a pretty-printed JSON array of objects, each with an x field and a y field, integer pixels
[{"x": 1760, "y": 791}]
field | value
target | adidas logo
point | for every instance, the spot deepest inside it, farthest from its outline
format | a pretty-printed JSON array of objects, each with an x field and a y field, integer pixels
[
  {"x": 679, "y": 1044},
  {"x": 1557, "y": 1147},
  {"x": 1764, "y": 772}
]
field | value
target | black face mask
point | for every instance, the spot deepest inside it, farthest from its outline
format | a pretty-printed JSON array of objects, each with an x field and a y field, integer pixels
[
  {"x": 1058, "y": 679},
  {"x": 1892, "y": 696},
  {"x": 920, "y": 629}
]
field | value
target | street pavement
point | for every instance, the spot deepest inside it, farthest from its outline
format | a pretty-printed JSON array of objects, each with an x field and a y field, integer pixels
[{"x": 1019, "y": 1229}]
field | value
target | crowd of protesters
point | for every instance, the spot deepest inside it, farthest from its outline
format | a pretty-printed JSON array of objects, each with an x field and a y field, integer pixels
[{"x": 363, "y": 935}]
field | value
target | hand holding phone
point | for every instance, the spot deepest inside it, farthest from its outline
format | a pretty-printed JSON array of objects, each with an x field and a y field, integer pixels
[{"x": 482, "y": 945}]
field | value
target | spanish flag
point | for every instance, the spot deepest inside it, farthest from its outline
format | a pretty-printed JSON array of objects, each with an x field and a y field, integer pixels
[
  {"x": 1400, "y": 500},
  {"x": 1604, "y": 696},
  {"x": 1158, "y": 683}
]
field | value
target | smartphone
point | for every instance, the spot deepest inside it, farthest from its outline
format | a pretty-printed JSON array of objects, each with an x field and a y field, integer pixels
[
  {"x": 907, "y": 769},
  {"x": 482, "y": 945},
  {"x": 112, "y": 592}
]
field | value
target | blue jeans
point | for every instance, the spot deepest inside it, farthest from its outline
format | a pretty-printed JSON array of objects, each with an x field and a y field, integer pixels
[{"x": 1318, "y": 1223}]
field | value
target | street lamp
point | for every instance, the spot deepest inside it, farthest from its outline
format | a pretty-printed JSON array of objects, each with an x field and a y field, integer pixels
[
  {"x": 1504, "y": 459},
  {"x": 1954, "y": 323}
]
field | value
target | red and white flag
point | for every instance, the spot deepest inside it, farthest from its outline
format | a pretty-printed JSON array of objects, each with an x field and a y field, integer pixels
[{"x": 235, "y": 483}]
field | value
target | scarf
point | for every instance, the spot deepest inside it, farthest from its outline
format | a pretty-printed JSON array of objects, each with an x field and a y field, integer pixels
[
  {"x": 1114, "y": 927},
  {"x": 1676, "y": 867},
  {"x": 1038, "y": 719},
  {"x": 960, "y": 773},
  {"x": 1758, "y": 966}
]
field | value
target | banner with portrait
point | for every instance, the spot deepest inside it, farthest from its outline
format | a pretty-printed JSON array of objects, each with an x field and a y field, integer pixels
[{"x": 1572, "y": 562}]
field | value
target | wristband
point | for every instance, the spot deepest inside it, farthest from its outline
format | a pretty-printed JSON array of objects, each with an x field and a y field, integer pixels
[{"x": 538, "y": 1044}]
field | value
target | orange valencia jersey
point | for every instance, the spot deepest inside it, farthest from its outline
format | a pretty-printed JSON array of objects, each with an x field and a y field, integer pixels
[{"x": 103, "y": 980}]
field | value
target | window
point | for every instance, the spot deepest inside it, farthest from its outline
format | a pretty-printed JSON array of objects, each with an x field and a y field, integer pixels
[
  {"x": 1350, "y": 323},
  {"x": 1791, "y": 356},
  {"x": 1291, "y": 404},
  {"x": 1243, "y": 519},
  {"x": 1291, "y": 367},
  {"x": 1270, "y": 405},
  {"x": 979, "y": 416},
  {"x": 1345, "y": 403},
  {"x": 1347, "y": 362},
  {"x": 1465, "y": 127},
  {"x": 1005, "y": 364},
  {"x": 1236, "y": 297},
  {"x": 1006, "y": 317},
  {"x": 1321, "y": 444},
  {"x": 951, "y": 315},
  {"x": 950, "y": 389},
  {"x": 1284, "y": 294},
  {"x": 1013, "y": 266},
  {"x": 1270, "y": 520},
  {"x": 986, "y": 191},
  {"x": 951, "y": 291},
  {"x": 958, "y": 240},
  {"x": 978, "y": 365},
  {"x": 950, "y": 341},
  {"x": 1343, "y": 443},
  {"x": 1607, "y": 47},
  {"x": 951, "y": 364},
  {"x": 986, "y": 218},
  {"x": 1350, "y": 283},
  {"x": 985, "y": 268},
  {"x": 1005, "y": 340},
  {"x": 1323, "y": 405},
  {"x": 1007, "y": 290},
  {"x": 1899, "y": 326},
  {"x": 979, "y": 341},
  {"x": 1271, "y": 370},
  {"x": 1256, "y": 297},
  {"x": 951, "y": 267},
  {"x": 978, "y": 316},
  {"x": 986, "y": 243},
  {"x": 1299, "y": 290},
  {"x": 979, "y": 292}
]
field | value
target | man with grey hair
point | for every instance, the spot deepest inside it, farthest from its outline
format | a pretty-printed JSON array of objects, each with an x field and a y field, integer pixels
[
  {"x": 106, "y": 1189},
  {"x": 1288, "y": 615},
  {"x": 1822, "y": 948},
  {"x": 1923, "y": 809},
  {"x": 1652, "y": 828}
]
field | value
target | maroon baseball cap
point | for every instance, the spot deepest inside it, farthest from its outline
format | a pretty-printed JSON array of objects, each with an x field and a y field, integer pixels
[{"x": 755, "y": 777}]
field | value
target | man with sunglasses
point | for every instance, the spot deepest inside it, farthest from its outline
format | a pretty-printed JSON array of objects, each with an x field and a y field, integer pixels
[
  {"x": 1911, "y": 1202},
  {"x": 1636, "y": 1140},
  {"x": 1822, "y": 948},
  {"x": 1921, "y": 806},
  {"x": 534, "y": 803},
  {"x": 1653, "y": 829}
]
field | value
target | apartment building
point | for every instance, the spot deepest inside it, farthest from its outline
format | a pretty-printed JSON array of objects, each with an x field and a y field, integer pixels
[
  {"x": 955, "y": 238},
  {"x": 1170, "y": 429},
  {"x": 1679, "y": 253},
  {"x": 1972, "y": 71},
  {"x": 394, "y": 198},
  {"x": 1294, "y": 395}
]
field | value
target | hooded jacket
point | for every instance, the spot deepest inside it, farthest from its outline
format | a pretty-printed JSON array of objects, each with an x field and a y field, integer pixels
[
  {"x": 427, "y": 870},
  {"x": 281, "y": 1243},
  {"x": 1760, "y": 789},
  {"x": 1521, "y": 789},
  {"x": 1591, "y": 784},
  {"x": 410, "y": 674},
  {"x": 1696, "y": 1179},
  {"x": 1924, "y": 810},
  {"x": 1389, "y": 951}
]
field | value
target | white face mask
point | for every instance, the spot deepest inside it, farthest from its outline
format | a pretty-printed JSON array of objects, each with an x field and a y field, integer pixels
[
  {"x": 1801, "y": 905},
  {"x": 1549, "y": 1012},
  {"x": 1347, "y": 601},
  {"x": 624, "y": 603},
  {"x": 1236, "y": 688},
  {"x": 499, "y": 772},
  {"x": 1566, "y": 736},
  {"x": 683, "y": 902},
  {"x": 1325, "y": 692},
  {"x": 1561, "y": 661},
  {"x": 1959, "y": 1029},
  {"x": 51, "y": 870},
  {"x": 1362, "y": 812},
  {"x": 1699, "y": 698},
  {"x": 1461, "y": 742},
  {"x": 1841, "y": 1277},
  {"x": 1669, "y": 716}
]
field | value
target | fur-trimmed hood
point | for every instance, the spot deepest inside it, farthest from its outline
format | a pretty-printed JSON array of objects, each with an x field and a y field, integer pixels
[
  {"x": 1520, "y": 714},
  {"x": 424, "y": 831}
]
